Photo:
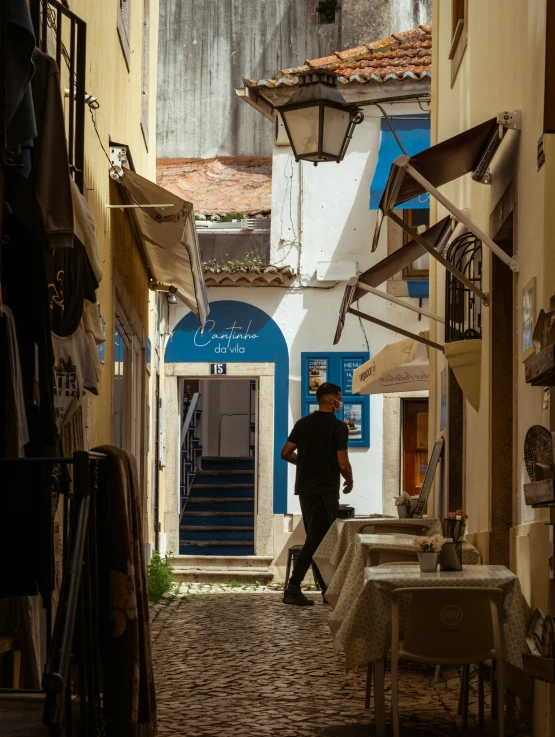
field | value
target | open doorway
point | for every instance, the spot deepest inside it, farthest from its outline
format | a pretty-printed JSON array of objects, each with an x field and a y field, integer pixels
[
  {"x": 415, "y": 444},
  {"x": 218, "y": 510}
]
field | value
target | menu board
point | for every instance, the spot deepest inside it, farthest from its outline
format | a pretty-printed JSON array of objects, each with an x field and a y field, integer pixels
[
  {"x": 317, "y": 374},
  {"x": 352, "y": 417},
  {"x": 338, "y": 368},
  {"x": 349, "y": 366}
]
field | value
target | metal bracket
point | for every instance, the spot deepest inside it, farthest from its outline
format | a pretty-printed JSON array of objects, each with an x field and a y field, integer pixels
[
  {"x": 514, "y": 264},
  {"x": 510, "y": 119},
  {"x": 118, "y": 157}
]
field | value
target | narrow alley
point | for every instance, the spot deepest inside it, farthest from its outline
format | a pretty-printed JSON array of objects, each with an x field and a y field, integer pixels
[{"x": 243, "y": 665}]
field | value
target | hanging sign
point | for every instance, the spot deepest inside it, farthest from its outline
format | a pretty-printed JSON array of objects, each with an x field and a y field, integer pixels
[{"x": 218, "y": 369}]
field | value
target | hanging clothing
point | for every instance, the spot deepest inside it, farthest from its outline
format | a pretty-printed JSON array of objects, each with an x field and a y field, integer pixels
[
  {"x": 74, "y": 372},
  {"x": 129, "y": 693},
  {"x": 85, "y": 229},
  {"x": 14, "y": 433},
  {"x": 71, "y": 281},
  {"x": 26, "y": 294},
  {"x": 21, "y": 126}
]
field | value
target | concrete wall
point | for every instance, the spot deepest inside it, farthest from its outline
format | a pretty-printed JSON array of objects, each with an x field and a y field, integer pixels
[
  {"x": 207, "y": 47},
  {"x": 490, "y": 81},
  {"x": 225, "y": 421}
]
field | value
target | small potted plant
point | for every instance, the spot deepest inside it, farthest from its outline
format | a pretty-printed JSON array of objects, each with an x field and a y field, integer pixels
[
  {"x": 455, "y": 524},
  {"x": 428, "y": 549},
  {"x": 403, "y": 504}
]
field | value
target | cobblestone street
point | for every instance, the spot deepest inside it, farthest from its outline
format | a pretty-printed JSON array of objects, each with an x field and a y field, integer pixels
[{"x": 244, "y": 665}]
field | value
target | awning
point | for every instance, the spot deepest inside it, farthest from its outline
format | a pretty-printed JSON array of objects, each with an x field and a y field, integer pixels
[
  {"x": 411, "y": 176},
  {"x": 399, "y": 367},
  {"x": 414, "y": 132},
  {"x": 436, "y": 236},
  {"x": 465, "y": 360},
  {"x": 169, "y": 239}
]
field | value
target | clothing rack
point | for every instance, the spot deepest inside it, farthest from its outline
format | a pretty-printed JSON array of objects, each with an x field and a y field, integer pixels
[{"x": 78, "y": 601}]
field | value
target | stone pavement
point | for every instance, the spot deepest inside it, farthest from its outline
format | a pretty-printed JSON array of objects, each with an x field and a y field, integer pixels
[{"x": 242, "y": 664}]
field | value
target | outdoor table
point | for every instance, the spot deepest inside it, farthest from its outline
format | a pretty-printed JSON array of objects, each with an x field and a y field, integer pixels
[
  {"x": 333, "y": 547},
  {"x": 365, "y": 633},
  {"x": 348, "y": 581}
]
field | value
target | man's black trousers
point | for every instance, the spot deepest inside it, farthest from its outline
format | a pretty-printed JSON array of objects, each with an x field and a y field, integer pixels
[{"x": 319, "y": 513}]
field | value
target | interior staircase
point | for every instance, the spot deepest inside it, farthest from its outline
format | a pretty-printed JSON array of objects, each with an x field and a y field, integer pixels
[{"x": 216, "y": 537}]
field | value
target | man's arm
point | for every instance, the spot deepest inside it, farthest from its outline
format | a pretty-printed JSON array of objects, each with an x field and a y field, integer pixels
[
  {"x": 345, "y": 470},
  {"x": 289, "y": 453}
]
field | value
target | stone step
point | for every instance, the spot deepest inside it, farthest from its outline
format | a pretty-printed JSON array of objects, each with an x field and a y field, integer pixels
[
  {"x": 219, "y": 500},
  {"x": 215, "y": 528},
  {"x": 245, "y": 472},
  {"x": 223, "y": 575},
  {"x": 228, "y": 561}
]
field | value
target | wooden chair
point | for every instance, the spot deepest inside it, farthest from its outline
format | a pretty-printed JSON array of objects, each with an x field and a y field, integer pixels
[
  {"x": 394, "y": 528},
  {"x": 451, "y": 626}
]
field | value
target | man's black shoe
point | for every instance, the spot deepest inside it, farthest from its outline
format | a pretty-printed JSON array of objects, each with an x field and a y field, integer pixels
[{"x": 294, "y": 595}]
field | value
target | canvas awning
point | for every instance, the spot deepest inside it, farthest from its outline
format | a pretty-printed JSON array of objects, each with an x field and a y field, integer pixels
[
  {"x": 411, "y": 176},
  {"x": 400, "y": 367},
  {"x": 436, "y": 236},
  {"x": 169, "y": 239}
]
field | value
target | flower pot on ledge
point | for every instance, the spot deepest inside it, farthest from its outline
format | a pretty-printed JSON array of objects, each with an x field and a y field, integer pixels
[
  {"x": 428, "y": 562},
  {"x": 403, "y": 510}
]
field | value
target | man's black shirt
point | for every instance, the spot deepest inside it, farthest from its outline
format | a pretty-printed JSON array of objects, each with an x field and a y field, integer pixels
[{"x": 318, "y": 437}]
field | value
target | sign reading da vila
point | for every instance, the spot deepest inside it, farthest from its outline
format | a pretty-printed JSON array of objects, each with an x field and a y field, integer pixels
[{"x": 232, "y": 339}]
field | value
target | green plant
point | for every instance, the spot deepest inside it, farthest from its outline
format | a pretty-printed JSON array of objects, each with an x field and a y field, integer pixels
[
  {"x": 250, "y": 260},
  {"x": 327, "y": 10},
  {"x": 160, "y": 578}
]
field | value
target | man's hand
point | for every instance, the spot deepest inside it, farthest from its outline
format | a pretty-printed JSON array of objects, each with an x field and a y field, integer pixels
[
  {"x": 288, "y": 453},
  {"x": 347, "y": 487}
]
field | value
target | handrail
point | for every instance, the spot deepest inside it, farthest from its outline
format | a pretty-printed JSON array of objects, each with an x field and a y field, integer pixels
[{"x": 189, "y": 416}]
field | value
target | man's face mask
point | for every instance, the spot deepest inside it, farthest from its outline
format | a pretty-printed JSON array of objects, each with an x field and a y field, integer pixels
[{"x": 336, "y": 405}]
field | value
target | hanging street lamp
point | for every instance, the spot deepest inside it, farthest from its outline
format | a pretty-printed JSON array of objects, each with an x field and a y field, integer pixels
[{"x": 318, "y": 121}]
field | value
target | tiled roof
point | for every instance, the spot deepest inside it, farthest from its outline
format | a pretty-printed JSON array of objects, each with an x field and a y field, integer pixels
[
  {"x": 406, "y": 55},
  {"x": 222, "y": 275},
  {"x": 220, "y": 186}
]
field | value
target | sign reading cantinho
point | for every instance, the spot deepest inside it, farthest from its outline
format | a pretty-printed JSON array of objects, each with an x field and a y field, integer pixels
[{"x": 399, "y": 367}]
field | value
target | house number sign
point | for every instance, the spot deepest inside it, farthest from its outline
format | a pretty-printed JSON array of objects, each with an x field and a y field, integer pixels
[{"x": 218, "y": 369}]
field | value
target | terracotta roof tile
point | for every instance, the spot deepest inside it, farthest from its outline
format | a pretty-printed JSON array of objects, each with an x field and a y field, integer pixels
[
  {"x": 220, "y": 186},
  {"x": 404, "y": 55}
]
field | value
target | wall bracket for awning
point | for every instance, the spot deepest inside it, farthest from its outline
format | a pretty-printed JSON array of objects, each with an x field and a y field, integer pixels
[
  {"x": 401, "y": 331},
  {"x": 354, "y": 282}
]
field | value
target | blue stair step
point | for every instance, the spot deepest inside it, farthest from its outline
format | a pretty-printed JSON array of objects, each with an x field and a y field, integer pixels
[
  {"x": 224, "y": 477},
  {"x": 232, "y": 535},
  {"x": 210, "y": 549},
  {"x": 230, "y": 492},
  {"x": 210, "y": 463},
  {"x": 241, "y": 504},
  {"x": 227, "y": 519}
]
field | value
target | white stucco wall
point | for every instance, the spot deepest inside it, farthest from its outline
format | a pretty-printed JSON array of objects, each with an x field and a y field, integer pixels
[{"x": 321, "y": 214}]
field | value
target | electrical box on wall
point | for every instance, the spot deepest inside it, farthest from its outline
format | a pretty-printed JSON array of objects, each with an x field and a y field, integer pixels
[
  {"x": 336, "y": 270},
  {"x": 280, "y": 135}
]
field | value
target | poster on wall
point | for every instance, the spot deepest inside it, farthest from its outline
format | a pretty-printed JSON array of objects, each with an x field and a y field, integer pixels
[
  {"x": 317, "y": 374},
  {"x": 312, "y": 408},
  {"x": 352, "y": 417},
  {"x": 443, "y": 416},
  {"x": 349, "y": 366}
]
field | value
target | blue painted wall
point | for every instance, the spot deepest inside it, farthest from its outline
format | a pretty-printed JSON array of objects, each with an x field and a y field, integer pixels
[{"x": 237, "y": 332}]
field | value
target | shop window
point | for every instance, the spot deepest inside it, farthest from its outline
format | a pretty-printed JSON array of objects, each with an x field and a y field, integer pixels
[
  {"x": 327, "y": 10},
  {"x": 463, "y": 309},
  {"x": 459, "y": 35},
  {"x": 124, "y": 28},
  {"x": 317, "y": 368},
  {"x": 417, "y": 219},
  {"x": 145, "y": 73}
]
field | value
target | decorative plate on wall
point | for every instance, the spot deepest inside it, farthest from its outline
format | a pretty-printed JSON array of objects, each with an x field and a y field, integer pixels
[{"x": 537, "y": 449}]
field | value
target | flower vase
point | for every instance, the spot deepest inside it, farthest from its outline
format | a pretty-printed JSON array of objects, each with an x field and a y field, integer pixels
[
  {"x": 428, "y": 562},
  {"x": 403, "y": 510}
]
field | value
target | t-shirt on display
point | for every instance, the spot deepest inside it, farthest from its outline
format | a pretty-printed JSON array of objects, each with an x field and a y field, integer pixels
[{"x": 74, "y": 372}]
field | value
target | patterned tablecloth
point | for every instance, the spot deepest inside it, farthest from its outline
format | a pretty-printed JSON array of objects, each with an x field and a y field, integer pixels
[
  {"x": 342, "y": 533},
  {"x": 365, "y": 633},
  {"x": 348, "y": 582}
]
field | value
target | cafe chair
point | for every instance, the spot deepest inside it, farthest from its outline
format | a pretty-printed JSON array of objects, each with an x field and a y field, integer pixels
[
  {"x": 389, "y": 556},
  {"x": 396, "y": 528},
  {"x": 448, "y": 626}
]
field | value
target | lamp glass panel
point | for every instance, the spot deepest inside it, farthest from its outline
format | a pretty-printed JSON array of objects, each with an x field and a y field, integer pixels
[
  {"x": 336, "y": 125},
  {"x": 303, "y": 129}
]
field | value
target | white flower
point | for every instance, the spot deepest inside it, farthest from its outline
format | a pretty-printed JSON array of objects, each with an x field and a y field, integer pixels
[
  {"x": 402, "y": 500},
  {"x": 430, "y": 544}
]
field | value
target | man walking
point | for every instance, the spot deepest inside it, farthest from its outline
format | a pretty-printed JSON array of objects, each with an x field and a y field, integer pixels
[{"x": 317, "y": 445}]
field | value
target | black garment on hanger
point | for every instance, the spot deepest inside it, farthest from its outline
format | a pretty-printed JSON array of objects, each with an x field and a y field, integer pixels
[{"x": 71, "y": 281}]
